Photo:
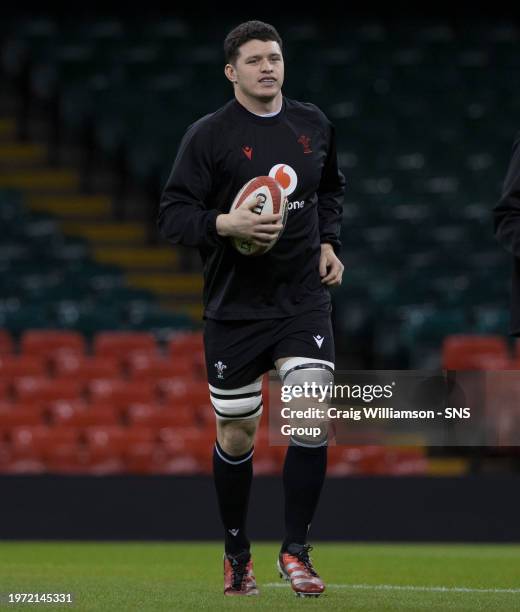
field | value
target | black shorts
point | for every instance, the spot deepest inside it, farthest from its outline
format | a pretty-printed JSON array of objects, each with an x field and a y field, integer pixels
[{"x": 238, "y": 352}]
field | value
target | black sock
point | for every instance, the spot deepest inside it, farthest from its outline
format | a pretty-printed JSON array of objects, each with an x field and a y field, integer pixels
[
  {"x": 233, "y": 477},
  {"x": 303, "y": 476}
]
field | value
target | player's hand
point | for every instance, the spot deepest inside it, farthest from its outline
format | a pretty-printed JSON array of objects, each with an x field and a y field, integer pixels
[
  {"x": 242, "y": 222},
  {"x": 331, "y": 268}
]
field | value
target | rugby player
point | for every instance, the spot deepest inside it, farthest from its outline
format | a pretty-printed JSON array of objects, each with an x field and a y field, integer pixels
[{"x": 269, "y": 310}]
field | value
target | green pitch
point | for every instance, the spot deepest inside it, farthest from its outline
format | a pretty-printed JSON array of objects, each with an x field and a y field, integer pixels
[{"x": 180, "y": 576}]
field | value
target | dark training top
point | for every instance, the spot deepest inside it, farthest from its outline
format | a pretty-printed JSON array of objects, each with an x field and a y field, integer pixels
[
  {"x": 507, "y": 228},
  {"x": 217, "y": 156}
]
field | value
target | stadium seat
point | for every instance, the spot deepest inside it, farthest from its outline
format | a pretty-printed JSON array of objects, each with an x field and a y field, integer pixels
[
  {"x": 113, "y": 445},
  {"x": 6, "y": 342},
  {"x": 186, "y": 346},
  {"x": 120, "y": 344},
  {"x": 159, "y": 416},
  {"x": 46, "y": 389},
  {"x": 502, "y": 401},
  {"x": 46, "y": 342},
  {"x": 25, "y": 449},
  {"x": 80, "y": 414},
  {"x": 377, "y": 460},
  {"x": 517, "y": 348},
  {"x": 187, "y": 446},
  {"x": 117, "y": 439},
  {"x": 198, "y": 398},
  {"x": 30, "y": 445},
  {"x": 4, "y": 388},
  {"x": 83, "y": 368},
  {"x": 62, "y": 451},
  {"x": 5, "y": 456},
  {"x": 268, "y": 457},
  {"x": 120, "y": 392},
  {"x": 464, "y": 352},
  {"x": 143, "y": 366},
  {"x": 20, "y": 415},
  {"x": 18, "y": 366},
  {"x": 174, "y": 390}
]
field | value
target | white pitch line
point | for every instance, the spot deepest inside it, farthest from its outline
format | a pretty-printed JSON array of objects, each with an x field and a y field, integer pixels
[{"x": 398, "y": 587}]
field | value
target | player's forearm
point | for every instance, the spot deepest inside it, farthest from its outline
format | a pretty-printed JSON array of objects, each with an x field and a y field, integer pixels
[{"x": 188, "y": 226}]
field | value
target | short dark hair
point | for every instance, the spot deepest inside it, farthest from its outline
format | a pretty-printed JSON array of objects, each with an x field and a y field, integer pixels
[{"x": 248, "y": 30}]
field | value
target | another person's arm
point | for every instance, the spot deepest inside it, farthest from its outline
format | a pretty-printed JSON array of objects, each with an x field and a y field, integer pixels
[
  {"x": 330, "y": 212},
  {"x": 507, "y": 212}
]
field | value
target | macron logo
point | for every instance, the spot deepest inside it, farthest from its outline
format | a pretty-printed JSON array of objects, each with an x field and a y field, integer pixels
[
  {"x": 233, "y": 532},
  {"x": 319, "y": 340},
  {"x": 248, "y": 152}
]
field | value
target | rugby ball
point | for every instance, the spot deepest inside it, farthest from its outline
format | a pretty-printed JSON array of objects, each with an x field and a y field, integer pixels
[{"x": 270, "y": 199}]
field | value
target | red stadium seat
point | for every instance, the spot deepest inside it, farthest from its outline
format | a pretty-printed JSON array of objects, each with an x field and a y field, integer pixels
[
  {"x": 66, "y": 458},
  {"x": 27, "y": 441},
  {"x": 121, "y": 344},
  {"x": 501, "y": 403},
  {"x": 4, "y": 389},
  {"x": 5, "y": 456},
  {"x": 174, "y": 390},
  {"x": 18, "y": 366},
  {"x": 46, "y": 389},
  {"x": 46, "y": 342},
  {"x": 185, "y": 343},
  {"x": 80, "y": 414},
  {"x": 62, "y": 451},
  {"x": 6, "y": 342},
  {"x": 158, "y": 416},
  {"x": 268, "y": 460},
  {"x": 120, "y": 392},
  {"x": 20, "y": 415},
  {"x": 103, "y": 454},
  {"x": 37, "y": 439},
  {"x": 376, "y": 460},
  {"x": 198, "y": 398},
  {"x": 84, "y": 368},
  {"x": 464, "y": 352},
  {"x": 266, "y": 451},
  {"x": 189, "y": 348},
  {"x": 116, "y": 440},
  {"x": 143, "y": 366},
  {"x": 191, "y": 443},
  {"x": 126, "y": 448}
]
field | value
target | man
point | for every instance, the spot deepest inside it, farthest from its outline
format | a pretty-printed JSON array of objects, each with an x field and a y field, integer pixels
[
  {"x": 507, "y": 228},
  {"x": 264, "y": 310}
]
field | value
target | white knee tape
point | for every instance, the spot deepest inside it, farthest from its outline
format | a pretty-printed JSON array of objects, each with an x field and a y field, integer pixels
[
  {"x": 298, "y": 371},
  {"x": 240, "y": 403},
  {"x": 317, "y": 370}
]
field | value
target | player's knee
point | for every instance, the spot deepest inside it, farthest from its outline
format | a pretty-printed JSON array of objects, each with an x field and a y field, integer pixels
[
  {"x": 236, "y": 438},
  {"x": 314, "y": 380}
]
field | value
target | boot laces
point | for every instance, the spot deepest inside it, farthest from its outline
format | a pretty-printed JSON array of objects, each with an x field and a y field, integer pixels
[
  {"x": 239, "y": 572},
  {"x": 303, "y": 557}
]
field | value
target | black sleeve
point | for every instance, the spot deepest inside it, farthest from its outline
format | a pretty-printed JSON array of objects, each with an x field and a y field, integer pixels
[
  {"x": 507, "y": 212},
  {"x": 330, "y": 196},
  {"x": 184, "y": 217}
]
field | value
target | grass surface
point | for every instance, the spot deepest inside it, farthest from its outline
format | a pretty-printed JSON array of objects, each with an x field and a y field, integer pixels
[{"x": 180, "y": 576}]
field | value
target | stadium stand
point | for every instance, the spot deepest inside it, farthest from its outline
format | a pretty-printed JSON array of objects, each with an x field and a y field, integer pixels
[{"x": 101, "y": 357}]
